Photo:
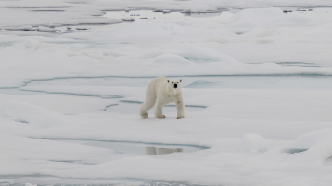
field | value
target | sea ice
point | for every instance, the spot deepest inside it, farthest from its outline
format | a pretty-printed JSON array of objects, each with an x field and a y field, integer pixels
[
  {"x": 254, "y": 70},
  {"x": 32, "y": 115},
  {"x": 30, "y": 184},
  {"x": 318, "y": 144},
  {"x": 254, "y": 143}
]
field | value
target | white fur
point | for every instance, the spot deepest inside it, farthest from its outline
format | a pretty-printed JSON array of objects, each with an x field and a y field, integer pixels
[{"x": 160, "y": 92}]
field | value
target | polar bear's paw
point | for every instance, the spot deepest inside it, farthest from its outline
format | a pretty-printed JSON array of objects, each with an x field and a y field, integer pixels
[
  {"x": 144, "y": 116},
  {"x": 179, "y": 117},
  {"x": 162, "y": 117}
]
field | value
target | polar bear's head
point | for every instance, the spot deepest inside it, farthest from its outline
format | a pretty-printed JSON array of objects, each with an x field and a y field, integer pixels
[{"x": 175, "y": 85}]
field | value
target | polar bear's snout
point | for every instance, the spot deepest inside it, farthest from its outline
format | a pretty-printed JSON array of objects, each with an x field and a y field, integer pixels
[{"x": 175, "y": 85}]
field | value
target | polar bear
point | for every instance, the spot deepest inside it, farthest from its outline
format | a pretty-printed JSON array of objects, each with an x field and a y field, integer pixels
[{"x": 162, "y": 91}]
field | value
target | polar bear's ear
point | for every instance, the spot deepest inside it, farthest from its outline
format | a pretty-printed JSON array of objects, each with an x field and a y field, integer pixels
[
  {"x": 180, "y": 80},
  {"x": 168, "y": 81}
]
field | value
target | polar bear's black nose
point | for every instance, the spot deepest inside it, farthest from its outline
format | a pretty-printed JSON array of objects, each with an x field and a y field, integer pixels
[{"x": 175, "y": 85}]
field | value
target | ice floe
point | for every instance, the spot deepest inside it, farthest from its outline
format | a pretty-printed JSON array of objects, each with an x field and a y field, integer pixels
[{"x": 77, "y": 70}]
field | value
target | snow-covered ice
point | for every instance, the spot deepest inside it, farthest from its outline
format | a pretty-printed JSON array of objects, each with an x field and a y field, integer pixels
[
  {"x": 256, "y": 82},
  {"x": 254, "y": 143}
]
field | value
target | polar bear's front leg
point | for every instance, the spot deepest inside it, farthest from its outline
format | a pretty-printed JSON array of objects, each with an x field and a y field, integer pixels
[
  {"x": 158, "y": 109},
  {"x": 180, "y": 109}
]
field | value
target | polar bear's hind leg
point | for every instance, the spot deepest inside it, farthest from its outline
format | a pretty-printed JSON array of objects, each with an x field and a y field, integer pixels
[{"x": 145, "y": 107}]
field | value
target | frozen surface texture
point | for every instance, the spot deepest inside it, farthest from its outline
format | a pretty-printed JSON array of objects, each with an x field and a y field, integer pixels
[
  {"x": 254, "y": 143},
  {"x": 73, "y": 73}
]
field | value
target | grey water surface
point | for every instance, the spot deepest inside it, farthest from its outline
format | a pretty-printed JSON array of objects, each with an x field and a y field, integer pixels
[{"x": 137, "y": 148}]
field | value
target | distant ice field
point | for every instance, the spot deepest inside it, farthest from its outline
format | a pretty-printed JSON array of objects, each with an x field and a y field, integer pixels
[{"x": 201, "y": 82}]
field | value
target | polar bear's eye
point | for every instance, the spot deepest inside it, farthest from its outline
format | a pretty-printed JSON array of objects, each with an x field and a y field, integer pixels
[{"x": 172, "y": 82}]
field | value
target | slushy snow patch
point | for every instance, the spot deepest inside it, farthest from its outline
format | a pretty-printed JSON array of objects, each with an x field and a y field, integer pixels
[{"x": 254, "y": 143}]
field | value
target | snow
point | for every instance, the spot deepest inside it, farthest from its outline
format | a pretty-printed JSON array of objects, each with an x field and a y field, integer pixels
[
  {"x": 26, "y": 113},
  {"x": 29, "y": 184},
  {"x": 256, "y": 85},
  {"x": 254, "y": 143}
]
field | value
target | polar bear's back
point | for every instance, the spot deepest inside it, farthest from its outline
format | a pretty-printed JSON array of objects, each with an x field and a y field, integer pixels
[
  {"x": 153, "y": 89},
  {"x": 155, "y": 85}
]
